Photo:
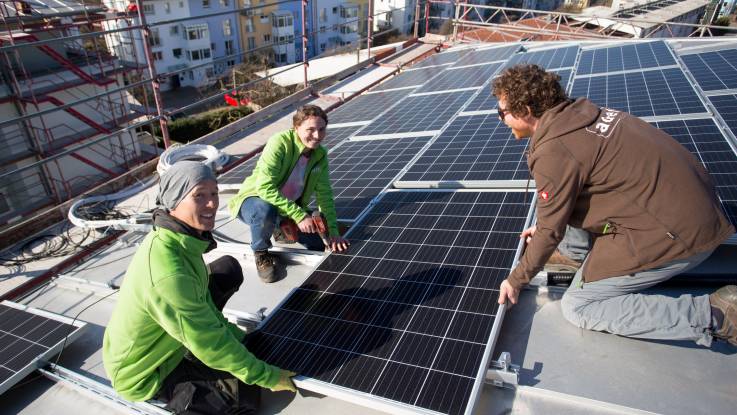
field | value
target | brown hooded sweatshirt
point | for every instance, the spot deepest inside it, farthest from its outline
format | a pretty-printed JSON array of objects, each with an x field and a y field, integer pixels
[{"x": 643, "y": 197}]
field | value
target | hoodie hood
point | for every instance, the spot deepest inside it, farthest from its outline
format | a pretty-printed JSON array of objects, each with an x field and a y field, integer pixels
[
  {"x": 564, "y": 118},
  {"x": 163, "y": 219}
]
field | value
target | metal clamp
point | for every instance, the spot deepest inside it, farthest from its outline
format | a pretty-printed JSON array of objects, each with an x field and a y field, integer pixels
[{"x": 503, "y": 374}]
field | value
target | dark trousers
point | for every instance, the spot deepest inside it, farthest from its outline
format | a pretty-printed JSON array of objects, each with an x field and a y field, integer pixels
[{"x": 193, "y": 388}]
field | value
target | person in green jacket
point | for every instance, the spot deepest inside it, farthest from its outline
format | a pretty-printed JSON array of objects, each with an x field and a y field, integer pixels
[
  {"x": 292, "y": 167},
  {"x": 167, "y": 337}
]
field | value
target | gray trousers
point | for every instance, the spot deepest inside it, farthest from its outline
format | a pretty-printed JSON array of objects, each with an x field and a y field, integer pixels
[{"x": 614, "y": 305}]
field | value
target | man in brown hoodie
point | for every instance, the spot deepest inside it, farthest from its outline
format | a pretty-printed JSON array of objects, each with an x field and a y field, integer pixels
[{"x": 639, "y": 206}]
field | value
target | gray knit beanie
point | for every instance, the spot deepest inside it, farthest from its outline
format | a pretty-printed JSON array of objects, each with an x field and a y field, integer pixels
[{"x": 179, "y": 180}]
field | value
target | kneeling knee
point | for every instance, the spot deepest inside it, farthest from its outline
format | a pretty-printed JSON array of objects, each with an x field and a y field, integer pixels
[{"x": 571, "y": 309}]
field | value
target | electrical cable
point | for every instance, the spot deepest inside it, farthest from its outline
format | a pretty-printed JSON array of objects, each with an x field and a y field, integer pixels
[{"x": 207, "y": 154}]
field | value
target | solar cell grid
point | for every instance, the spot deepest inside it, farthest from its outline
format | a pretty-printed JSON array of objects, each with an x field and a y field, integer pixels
[
  {"x": 442, "y": 58},
  {"x": 704, "y": 140},
  {"x": 726, "y": 106},
  {"x": 26, "y": 337},
  {"x": 477, "y": 147},
  {"x": 472, "y": 76},
  {"x": 360, "y": 170},
  {"x": 487, "y": 55},
  {"x": 633, "y": 56},
  {"x": 240, "y": 172},
  {"x": 548, "y": 59},
  {"x": 407, "y": 315},
  {"x": 366, "y": 107},
  {"x": 648, "y": 93},
  {"x": 410, "y": 78},
  {"x": 485, "y": 101},
  {"x": 713, "y": 70},
  {"x": 419, "y": 113}
]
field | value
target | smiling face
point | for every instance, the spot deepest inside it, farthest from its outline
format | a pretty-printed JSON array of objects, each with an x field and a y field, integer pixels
[
  {"x": 522, "y": 127},
  {"x": 198, "y": 208},
  {"x": 311, "y": 132}
]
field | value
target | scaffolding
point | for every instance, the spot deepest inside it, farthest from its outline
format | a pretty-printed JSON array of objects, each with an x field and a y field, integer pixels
[{"x": 81, "y": 98}]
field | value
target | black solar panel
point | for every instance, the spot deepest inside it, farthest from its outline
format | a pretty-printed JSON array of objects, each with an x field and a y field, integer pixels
[
  {"x": 467, "y": 77},
  {"x": 704, "y": 140},
  {"x": 648, "y": 93},
  {"x": 726, "y": 106},
  {"x": 548, "y": 59},
  {"x": 25, "y": 338},
  {"x": 410, "y": 78},
  {"x": 407, "y": 316},
  {"x": 240, "y": 172},
  {"x": 477, "y": 147},
  {"x": 713, "y": 70},
  {"x": 487, "y": 55},
  {"x": 442, "y": 58},
  {"x": 366, "y": 107},
  {"x": 360, "y": 170},
  {"x": 419, "y": 113},
  {"x": 635, "y": 56},
  {"x": 485, "y": 101}
]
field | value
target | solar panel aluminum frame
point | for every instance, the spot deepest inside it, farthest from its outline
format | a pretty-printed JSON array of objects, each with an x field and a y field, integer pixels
[
  {"x": 38, "y": 361},
  {"x": 394, "y": 407}
]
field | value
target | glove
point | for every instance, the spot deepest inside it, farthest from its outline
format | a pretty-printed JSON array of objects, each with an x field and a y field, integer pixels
[{"x": 285, "y": 382}]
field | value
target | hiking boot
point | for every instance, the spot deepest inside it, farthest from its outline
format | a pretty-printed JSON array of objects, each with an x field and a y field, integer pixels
[
  {"x": 265, "y": 262},
  {"x": 724, "y": 304},
  {"x": 561, "y": 263}
]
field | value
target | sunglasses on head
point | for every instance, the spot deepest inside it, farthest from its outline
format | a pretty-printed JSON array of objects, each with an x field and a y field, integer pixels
[{"x": 502, "y": 112}]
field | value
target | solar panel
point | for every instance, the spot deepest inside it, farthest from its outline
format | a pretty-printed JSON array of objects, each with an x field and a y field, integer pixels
[
  {"x": 485, "y": 101},
  {"x": 477, "y": 147},
  {"x": 549, "y": 59},
  {"x": 406, "y": 317},
  {"x": 419, "y": 113},
  {"x": 726, "y": 106},
  {"x": 648, "y": 93},
  {"x": 704, "y": 140},
  {"x": 467, "y": 77},
  {"x": 442, "y": 58},
  {"x": 366, "y": 107},
  {"x": 28, "y": 336},
  {"x": 487, "y": 55},
  {"x": 410, "y": 78},
  {"x": 236, "y": 176},
  {"x": 713, "y": 70},
  {"x": 360, "y": 170},
  {"x": 633, "y": 56}
]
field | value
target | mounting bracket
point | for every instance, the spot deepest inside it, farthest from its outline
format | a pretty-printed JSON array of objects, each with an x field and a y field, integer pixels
[{"x": 502, "y": 373}]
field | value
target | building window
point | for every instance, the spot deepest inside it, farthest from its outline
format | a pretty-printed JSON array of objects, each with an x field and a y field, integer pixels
[
  {"x": 225, "y": 3},
  {"x": 157, "y": 55},
  {"x": 322, "y": 47},
  {"x": 212, "y": 46},
  {"x": 154, "y": 39},
  {"x": 197, "y": 32},
  {"x": 197, "y": 54},
  {"x": 230, "y": 62},
  {"x": 174, "y": 30},
  {"x": 206, "y": 4},
  {"x": 181, "y": 4},
  {"x": 191, "y": 76},
  {"x": 208, "y": 72},
  {"x": 177, "y": 53},
  {"x": 167, "y": 7},
  {"x": 149, "y": 9},
  {"x": 335, "y": 10},
  {"x": 323, "y": 15},
  {"x": 226, "y": 28},
  {"x": 282, "y": 21},
  {"x": 267, "y": 38},
  {"x": 228, "y": 47},
  {"x": 251, "y": 43},
  {"x": 249, "y": 25}
]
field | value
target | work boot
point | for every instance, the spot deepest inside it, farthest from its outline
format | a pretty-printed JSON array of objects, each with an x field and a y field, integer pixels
[
  {"x": 561, "y": 263},
  {"x": 724, "y": 311},
  {"x": 265, "y": 263}
]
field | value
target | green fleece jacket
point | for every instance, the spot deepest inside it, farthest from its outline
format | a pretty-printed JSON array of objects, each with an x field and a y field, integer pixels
[
  {"x": 276, "y": 163},
  {"x": 164, "y": 307}
]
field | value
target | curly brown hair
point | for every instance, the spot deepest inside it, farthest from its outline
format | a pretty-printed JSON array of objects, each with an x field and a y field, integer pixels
[
  {"x": 307, "y": 111},
  {"x": 524, "y": 86}
]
